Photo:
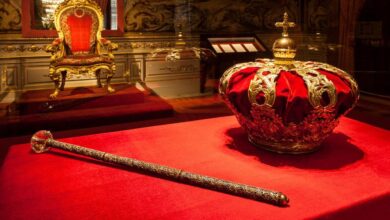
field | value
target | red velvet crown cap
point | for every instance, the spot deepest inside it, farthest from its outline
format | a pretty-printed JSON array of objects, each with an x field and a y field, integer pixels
[
  {"x": 288, "y": 108},
  {"x": 292, "y": 95}
]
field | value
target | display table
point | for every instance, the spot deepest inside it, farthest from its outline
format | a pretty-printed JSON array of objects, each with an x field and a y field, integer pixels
[{"x": 349, "y": 177}]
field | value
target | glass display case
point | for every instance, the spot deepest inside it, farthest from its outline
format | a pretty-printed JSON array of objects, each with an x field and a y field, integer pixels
[
  {"x": 350, "y": 35},
  {"x": 170, "y": 60}
]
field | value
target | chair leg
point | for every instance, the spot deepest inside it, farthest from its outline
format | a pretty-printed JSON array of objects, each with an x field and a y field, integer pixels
[
  {"x": 109, "y": 88},
  {"x": 56, "y": 80},
  {"x": 109, "y": 77},
  {"x": 98, "y": 78},
  {"x": 63, "y": 79}
]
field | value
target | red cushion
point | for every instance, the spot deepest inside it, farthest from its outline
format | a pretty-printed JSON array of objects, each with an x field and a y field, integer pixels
[
  {"x": 83, "y": 60},
  {"x": 82, "y": 28}
]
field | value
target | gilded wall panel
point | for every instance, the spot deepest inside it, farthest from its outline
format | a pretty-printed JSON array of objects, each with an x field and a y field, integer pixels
[{"x": 10, "y": 15}]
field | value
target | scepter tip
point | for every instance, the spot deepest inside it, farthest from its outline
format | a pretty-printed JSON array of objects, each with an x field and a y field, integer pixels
[{"x": 39, "y": 140}]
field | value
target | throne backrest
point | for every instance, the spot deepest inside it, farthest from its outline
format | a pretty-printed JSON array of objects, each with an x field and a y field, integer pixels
[{"x": 79, "y": 24}]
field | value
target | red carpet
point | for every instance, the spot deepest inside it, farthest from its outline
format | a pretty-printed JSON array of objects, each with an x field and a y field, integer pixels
[
  {"x": 37, "y": 101},
  {"x": 82, "y": 107},
  {"x": 348, "y": 178}
]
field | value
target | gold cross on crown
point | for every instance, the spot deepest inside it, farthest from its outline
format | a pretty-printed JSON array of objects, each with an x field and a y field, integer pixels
[{"x": 285, "y": 25}]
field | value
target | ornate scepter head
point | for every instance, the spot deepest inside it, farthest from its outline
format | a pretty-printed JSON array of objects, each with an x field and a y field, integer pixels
[{"x": 39, "y": 141}]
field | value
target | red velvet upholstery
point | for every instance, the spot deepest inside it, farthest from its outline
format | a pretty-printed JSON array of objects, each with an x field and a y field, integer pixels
[
  {"x": 80, "y": 31},
  {"x": 291, "y": 102},
  {"x": 83, "y": 60},
  {"x": 346, "y": 179},
  {"x": 79, "y": 27}
]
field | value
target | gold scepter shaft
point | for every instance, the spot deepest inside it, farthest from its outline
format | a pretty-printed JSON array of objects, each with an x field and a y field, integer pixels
[{"x": 41, "y": 142}]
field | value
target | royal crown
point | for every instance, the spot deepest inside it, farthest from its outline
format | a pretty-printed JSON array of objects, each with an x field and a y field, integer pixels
[{"x": 284, "y": 105}]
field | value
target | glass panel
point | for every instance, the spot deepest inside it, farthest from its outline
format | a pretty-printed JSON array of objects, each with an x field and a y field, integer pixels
[
  {"x": 44, "y": 13},
  {"x": 114, "y": 15},
  {"x": 43, "y": 17}
]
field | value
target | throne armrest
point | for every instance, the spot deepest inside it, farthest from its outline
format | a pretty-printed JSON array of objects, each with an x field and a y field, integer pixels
[
  {"x": 109, "y": 46},
  {"x": 56, "y": 48}
]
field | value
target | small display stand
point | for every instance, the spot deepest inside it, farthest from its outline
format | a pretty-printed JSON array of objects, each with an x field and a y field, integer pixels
[{"x": 236, "y": 49}]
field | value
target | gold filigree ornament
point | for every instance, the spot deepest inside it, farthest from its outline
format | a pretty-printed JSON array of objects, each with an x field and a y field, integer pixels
[
  {"x": 224, "y": 82},
  {"x": 317, "y": 85},
  {"x": 265, "y": 127},
  {"x": 264, "y": 82}
]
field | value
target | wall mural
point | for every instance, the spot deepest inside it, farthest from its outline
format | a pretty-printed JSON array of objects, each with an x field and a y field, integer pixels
[
  {"x": 206, "y": 15},
  {"x": 227, "y": 15},
  {"x": 322, "y": 14},
  {"x": 10, "y": 15}
]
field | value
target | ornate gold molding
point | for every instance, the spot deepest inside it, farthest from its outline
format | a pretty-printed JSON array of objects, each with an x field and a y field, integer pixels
[
  {"x": 3, "y": 77},
  {"x": 151, "y": 45},
  {"x": 21, "y": 48}
]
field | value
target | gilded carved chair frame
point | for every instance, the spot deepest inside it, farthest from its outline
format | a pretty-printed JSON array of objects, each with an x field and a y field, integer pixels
[{"x": 58, "y": 49}]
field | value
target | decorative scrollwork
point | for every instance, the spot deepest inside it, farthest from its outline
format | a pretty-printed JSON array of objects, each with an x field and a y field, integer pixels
[
  {"x": 34, "y": 48},
  {"x": 216, "y": 15},
  {"x": 268, "y": 130},
  {"x": 317, "y": 85},
  {"x": 224, "y": 82},
  {"x": 342, "y": 74},
  {"x": 22, "y": 48},
  {"x": 322, "y": 14},
  {"x": 10, "y": 48},
  {"x": 144, "y": 16},
  {"x": 264, "y": 82},
  {"x": 10, "y": 16}
]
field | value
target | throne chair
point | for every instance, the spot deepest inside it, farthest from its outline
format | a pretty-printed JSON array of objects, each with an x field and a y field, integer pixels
[{"x": 80, "y": 48}]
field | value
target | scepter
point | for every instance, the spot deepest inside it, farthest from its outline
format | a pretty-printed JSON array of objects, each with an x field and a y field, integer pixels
[{"x": 41, "y": 142}]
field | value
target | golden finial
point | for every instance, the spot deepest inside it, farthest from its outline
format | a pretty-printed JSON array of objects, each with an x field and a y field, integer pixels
[
  {"x": 284, "y": 48},
  {"x": 285, "y": 24},
  {"x": 179, "y": 36}
]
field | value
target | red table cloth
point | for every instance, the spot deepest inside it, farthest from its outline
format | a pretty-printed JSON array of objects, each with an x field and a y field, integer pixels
[{"x": 349, "y": 177}]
